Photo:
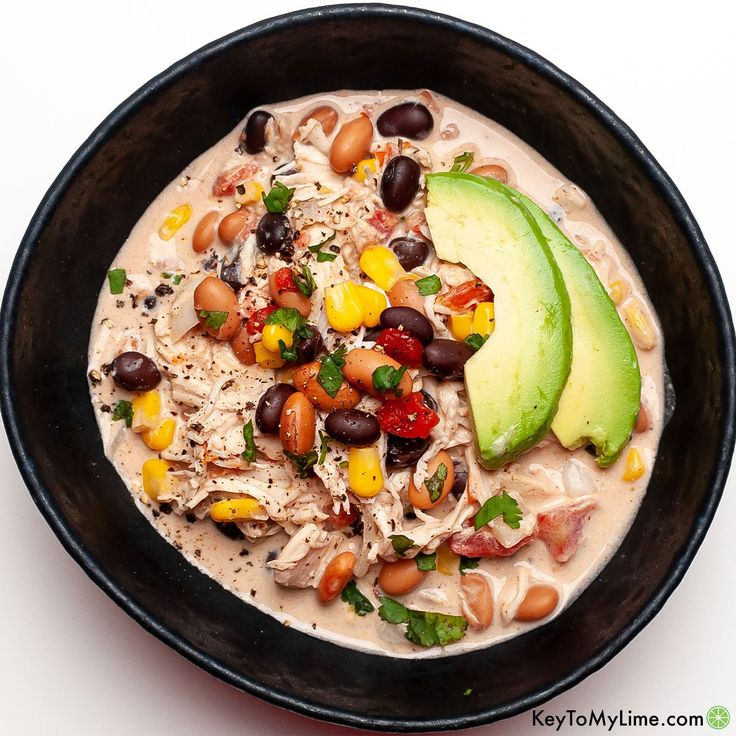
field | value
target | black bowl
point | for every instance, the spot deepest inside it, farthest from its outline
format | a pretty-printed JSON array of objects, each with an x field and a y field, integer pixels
[{"x": 145, "y": 143}]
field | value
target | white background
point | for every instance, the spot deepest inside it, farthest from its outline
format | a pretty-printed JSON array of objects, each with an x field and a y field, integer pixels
[{"x": 71, "y": 661}]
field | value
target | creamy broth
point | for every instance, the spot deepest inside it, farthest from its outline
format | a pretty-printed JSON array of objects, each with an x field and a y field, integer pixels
[{"x": 543, "y": 477}]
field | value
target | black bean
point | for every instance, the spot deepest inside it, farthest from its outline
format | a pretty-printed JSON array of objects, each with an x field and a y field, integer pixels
[
  {"x": 230, "y": 274},
  {"x": 447, "y": 358},
  {"x": 268, "y": 411},
  {"x": 273, "y": 233},
  {"x": 135, "y": 371},
  {"x": 461, "y": 479},
  {"x": 410, "y": 253},
  {"x": 399, "y": 183},
  {"x": 372, "y": 333},
  {"x": 353, "y": 427},
  {"x": 408, "y": 319},
  {"x": 408, "y": 120},
  {"x": 254, "y": 133},
  {"x": 309, "y": 348},
  {"x": 403, "y": 452}
]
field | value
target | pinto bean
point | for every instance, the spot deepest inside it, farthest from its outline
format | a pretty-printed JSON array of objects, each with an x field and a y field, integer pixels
[
  {"x": 360, "y": 365},
  {"x": 325, "y": 115},
  {"x": 539, "y": 601},
  {"x": 297, "y": 425},
  {"x": 478, "y": 601},
  {"x": 242, "y": 346},
  {"x": 292, "y": 299},
  {"x": 351, "y": 144},
  {"x": 211, "y": 298},
  {"x": 231, "y": 226},
  {"x": 492, "y": 171},
  {"x": 336, "y": 576},
  {"x": 305, "y": 379},
  {"x": 405, "y": 293},
  {"x": 204, "y": 233},
  {"x": 270, "y": 406},
  {"x": 420, "y": 498},
  {"x": 397, "y": 578}
]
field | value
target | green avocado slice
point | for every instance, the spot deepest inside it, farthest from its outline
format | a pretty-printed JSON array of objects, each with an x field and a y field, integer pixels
[
  {"x": 600, "y": 402},
  {"x": 515, "y": 380}
]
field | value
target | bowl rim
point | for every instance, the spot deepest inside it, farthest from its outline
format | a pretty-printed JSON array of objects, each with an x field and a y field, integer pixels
[{"x": 599, "y": 111}]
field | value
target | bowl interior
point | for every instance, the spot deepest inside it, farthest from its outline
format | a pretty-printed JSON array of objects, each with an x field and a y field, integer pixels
[{"x": 143, "y": 146}]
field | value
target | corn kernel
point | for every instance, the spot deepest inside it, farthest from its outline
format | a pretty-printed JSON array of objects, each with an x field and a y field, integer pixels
[
  {"x": 618, "y": 291},
  {"x": 382, "y": 265},
  {"x": 175, "y": 219},
  {"x": 373, "y": 303},
  {"x": 483, "y": 319},
  {"x": 461, "y": 325},
  {"x": 252, "y": 192},
  {"x": 634, "y": 465},
  {"x": 365, "y": 168},
  {"x": 234, "y": 509},
  {"x": 642, "y": 331},
  {"x": 447, "y": 560},
  {"x": 343, "y": 306},
  {"x": 364, "y": 471},
  {"x": 155, "y": 475},
  {"x": 146, "y": 410},
  {"x": 162, "y": 436},
  {"x": 271, "y": 336},
  {"x": 266, "y": 358}
]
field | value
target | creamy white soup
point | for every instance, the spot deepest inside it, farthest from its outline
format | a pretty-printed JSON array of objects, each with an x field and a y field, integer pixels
[{"x": 319, "y": 385}]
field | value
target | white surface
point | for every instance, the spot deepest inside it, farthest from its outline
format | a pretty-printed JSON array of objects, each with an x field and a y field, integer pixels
[{"x": 72, "y": 662}]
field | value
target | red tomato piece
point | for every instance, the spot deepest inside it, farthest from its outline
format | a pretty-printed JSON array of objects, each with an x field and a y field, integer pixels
[
  {"x": 460, "y": 298},
  {"x": 225, "y": 183},
  {"x": 342, "y": 518},
  {"x": 383, "y": 221},
  {"x": 484, "y": 544},
  {"x": 284, "y": 279},
  {"x": 407, "y": 417},
  {"x": 257, "y": 320},
  {"x": 402, "y": 346},
  {"x": 561, "y": 528}
]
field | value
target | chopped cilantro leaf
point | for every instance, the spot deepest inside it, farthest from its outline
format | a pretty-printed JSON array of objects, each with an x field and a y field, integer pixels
[
  {"x": 277, "y": 200},
  {"x": 476, "y": 341},
  {"x": 387, "y": 378},
  {"x": 429, "y": 285},
  {"x": 467, "y": 563},
  {"x": 177, "y": 279},
  {"x": 323, "y": 440},
  {"x": 343, "y": 464},
  {"x": 302, "y": 463},
  {"x": 213, "y": 320},
  {"x": 288, "y": 355},
  {"x": 330, "y": 373},
  {"x": 165, "y": 275},
  {"x": 350, "y": 594},
  {"x": 425, "y": 628},
  {"x": 463, "y": 162},
  {"x": 286, "y": 317},
  {"x": 321, "y": 256},
  {"x": 401, "y": 543},
  {"x": 305, "y": 282},
  {"x": 123, "y": 410},
  {"x": 249, "y": 455},
  {"x": 501, "y": 505},
  {"x": 117, "y": 279},
  {"x": 426, "y": 562},
  {"x": 436, "y": 482}
]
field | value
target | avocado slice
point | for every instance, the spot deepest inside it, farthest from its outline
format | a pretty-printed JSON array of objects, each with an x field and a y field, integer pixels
[
  {"x": 515, "y": 380},
  {"x": 600, "y": 402}
]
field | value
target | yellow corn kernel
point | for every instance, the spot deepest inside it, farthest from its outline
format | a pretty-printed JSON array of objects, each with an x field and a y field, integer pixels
[
  {"x": 373, "y": 303},
  {"x": 461, "y": 325},
  {"x": 634, "y": 465},
  {"x": 160, "y": 438},
  {"x": 146, "y": 410},
  {"x": 234, "y": 509},
  {"x": 343, "y": 306},
  {"x": 155, "y": 475},
  {"x": 364, "y": 471},
  {"x": 447, "y": 560},
  {"x": 271, "y": 336},
  {"x": 266, "y": 358},
  {"x": 618, "y": 291},
  {"x": 251, "y": 192},
  {"x": 174, "y": 220},
  {"x": 382, "y": 265},
  {"x": 483, "y": 319},
  {"x": 642, "y": 331},
  {"x": 365, "y": 168}
]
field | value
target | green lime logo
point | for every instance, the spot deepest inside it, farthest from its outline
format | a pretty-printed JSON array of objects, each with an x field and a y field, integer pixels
[{"x": 718, "y": 717}]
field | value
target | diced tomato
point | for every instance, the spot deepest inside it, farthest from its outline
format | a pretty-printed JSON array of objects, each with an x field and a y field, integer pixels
[
  {"x": 402, "y": 346},
  {"x": 561, "y": 528},
  {"x": 257, "y": 320},
  {"x": 342, "y": 518},
  {"x": 384, "y": 222},
  {"x": 484, "y": 544},
  {"x": 225, "y": 183},
  {"x": 284, "y": 279},
  {"x": 460, "y": 298},
  {"x": 407, "y": 417}
]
